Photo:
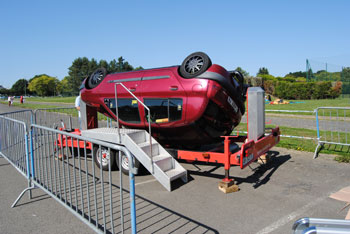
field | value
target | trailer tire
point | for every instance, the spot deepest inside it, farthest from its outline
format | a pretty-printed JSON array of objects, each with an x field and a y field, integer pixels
[
  {"x": 125, "y": 164},
  {"x": 106, "y": 158}
]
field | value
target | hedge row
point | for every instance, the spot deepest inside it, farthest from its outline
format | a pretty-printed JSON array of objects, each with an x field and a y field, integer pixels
[{"x": 297, "y": 90}]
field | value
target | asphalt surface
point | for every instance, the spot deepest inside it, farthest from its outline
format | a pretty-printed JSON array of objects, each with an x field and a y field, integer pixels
[{"x": 271, "y": 198}]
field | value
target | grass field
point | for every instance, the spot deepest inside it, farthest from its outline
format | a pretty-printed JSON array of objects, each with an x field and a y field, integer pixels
[
  {"x": 310, "y": 105},
  {"x": 308, "y": 145},
  {"x": 52, "y": 99},
  {"x": 290, "y": 143}
]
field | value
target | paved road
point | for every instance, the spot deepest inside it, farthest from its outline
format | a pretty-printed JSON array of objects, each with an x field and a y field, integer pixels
[{"x": 270, "y": 200}]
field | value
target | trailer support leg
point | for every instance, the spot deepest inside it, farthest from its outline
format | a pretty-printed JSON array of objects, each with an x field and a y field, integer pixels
[{"x": 227, "y": 185}]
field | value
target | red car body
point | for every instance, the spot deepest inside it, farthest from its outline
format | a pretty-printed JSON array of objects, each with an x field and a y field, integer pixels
[{"x": 185, "y": 112}]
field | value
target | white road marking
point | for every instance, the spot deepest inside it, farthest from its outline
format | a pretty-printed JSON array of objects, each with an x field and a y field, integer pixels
[
  {"x": 145, "y": 182},
  {"x": 292, "y": 216}
]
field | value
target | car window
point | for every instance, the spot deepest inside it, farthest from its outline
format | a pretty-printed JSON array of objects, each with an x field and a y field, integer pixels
[
  {"x": 128, "y": 109},
  {"x": 164, "y": 110}
]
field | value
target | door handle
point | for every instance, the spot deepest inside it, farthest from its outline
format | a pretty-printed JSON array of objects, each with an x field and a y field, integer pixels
[
  {"x": 174, "y": 88},
  {"x": 132, "y": 89}
]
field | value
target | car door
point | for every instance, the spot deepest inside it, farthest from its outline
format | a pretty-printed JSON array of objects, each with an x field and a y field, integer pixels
[
  {"x": 164, "y": 95},
  {"x": 128, "y": 86}
]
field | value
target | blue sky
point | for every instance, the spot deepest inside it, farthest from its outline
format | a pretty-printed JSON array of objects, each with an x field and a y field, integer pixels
[{"x": 46, "y": 36}]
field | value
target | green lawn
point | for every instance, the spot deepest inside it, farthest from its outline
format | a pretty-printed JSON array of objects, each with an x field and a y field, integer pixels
[
  {"x": 308, "y": 145},
  {"x": 310, "y": 105},
  {"x": 52, "y": 99}
]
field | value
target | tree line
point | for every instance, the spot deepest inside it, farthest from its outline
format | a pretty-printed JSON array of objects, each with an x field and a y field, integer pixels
[{"x": 81, "y": 68}]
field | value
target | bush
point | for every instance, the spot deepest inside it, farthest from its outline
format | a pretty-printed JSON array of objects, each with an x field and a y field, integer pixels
[
  {"x": 296, "y": 88},
  {"x": 254, "y": 81},
  {"x": 302, "y": 90}
]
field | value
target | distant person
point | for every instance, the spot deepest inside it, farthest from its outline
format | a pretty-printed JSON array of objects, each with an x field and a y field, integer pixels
[
  {"x": 12, "y": 98},
  {"x": 9, "y": 100},
  {"x": 21, "y": 100},
  {"x": 77, "y": 106}
]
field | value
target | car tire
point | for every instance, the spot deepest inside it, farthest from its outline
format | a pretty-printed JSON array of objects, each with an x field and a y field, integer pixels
[
  {"x": 96, "y": 78},
  {"x": 106, "y": 158},
  {"x": 194, "y": 65},
  {"x": 125, "y": 164}
]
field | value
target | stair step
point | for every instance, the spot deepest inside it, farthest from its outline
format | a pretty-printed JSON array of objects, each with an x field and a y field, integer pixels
[
  {"x": 146, "y": 147},
  {"x": 173, "y": 174},
  {"x": 164, "y": 162},
  {"x": 138, "y": 136},
  {"x": 143, "y": 144}
]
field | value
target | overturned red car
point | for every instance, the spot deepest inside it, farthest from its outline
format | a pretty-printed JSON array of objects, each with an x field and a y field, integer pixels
[{"x": 190, "y": 105}]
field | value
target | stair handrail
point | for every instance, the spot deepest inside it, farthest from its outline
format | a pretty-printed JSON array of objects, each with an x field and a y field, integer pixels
[{"x": 146, "y": 107}]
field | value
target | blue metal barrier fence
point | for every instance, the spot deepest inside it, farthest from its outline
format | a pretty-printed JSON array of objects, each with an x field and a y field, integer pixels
[{"x": 68, "y": 174}]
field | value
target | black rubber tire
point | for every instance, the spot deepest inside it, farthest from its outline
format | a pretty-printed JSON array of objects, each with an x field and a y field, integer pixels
[
  {"x": 125, "y": 166},
  {"x": 112, "y": 158},
  {"x": 96, "y": 78},
  {"x": 194, "y": 65}
]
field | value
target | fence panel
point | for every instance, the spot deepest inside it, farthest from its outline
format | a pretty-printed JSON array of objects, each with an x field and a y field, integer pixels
[
  {"x": 14, "y": 144},
  {"x": 56, "y": 117},
  {"x": 333, "y": 128},
  {"x": 21, "y": 115},
  {"x": 70, "y": 176}
]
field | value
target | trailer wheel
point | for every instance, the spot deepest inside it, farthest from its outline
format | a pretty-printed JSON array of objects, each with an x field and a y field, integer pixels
[
  {"x": 194, "y": 65},
  {"x": 108, "y": 157},
  {"x": 125, "y": 164}
]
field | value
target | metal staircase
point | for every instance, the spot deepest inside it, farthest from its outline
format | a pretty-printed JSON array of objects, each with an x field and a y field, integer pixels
[{"x": 155, "y": 159}]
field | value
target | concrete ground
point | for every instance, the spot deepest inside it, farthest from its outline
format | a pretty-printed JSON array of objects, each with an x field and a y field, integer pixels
[{"x": 271, "y": 198}]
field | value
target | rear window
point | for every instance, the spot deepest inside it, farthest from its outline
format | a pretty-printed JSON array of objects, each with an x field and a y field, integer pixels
[
  {"x": 128, "y": 109},
  {"x": 164, "y": 110}
]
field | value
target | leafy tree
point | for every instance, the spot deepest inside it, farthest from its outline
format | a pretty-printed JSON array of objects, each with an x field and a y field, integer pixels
[
  {"x": 65, "y": 88},
  {"x": 20, "y": 87},
  {"x": 263, "y": 71},
  {"x": 4, "y": 91},
  {"x": 296, "y": 74},
  {"x": 123, "y": 65},
  {"x": 78, "y": 71},
  {"x": 44, "y": 85},
  {"x": 346, "y": 74},
  {"x": 244, "y": 73},
  {"x": 36, "y": 77},
  {"x": 81, "y": 68}
]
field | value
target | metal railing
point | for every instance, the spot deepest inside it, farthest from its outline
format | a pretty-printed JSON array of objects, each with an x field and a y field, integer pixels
[
  {"x": 70, "y": 176},
  {"x": 148, "y": 112},
  {"x": 14, "y": 147},
  {"x": 317, "y": 225},
  {"x": 54, "y": 117},
  {"x": 21, "y": 115},
  {"x": 48, "y": 159},
  {"x": 333, "y": 128}
]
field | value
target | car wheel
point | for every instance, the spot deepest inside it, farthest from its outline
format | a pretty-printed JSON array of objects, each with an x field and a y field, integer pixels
[
  {"x": 96, "y": 78},
  {"x": 108, "y": 157},
  {"x": 194, "y": 65},
  {"x": 125, "y": 164}
]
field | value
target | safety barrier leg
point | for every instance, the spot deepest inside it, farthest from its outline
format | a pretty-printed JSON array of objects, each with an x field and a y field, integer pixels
[
  {"x": 30, "y": 184},
  {"x": 319, "y": 147},
  {"x": 21, "y": 195}
]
